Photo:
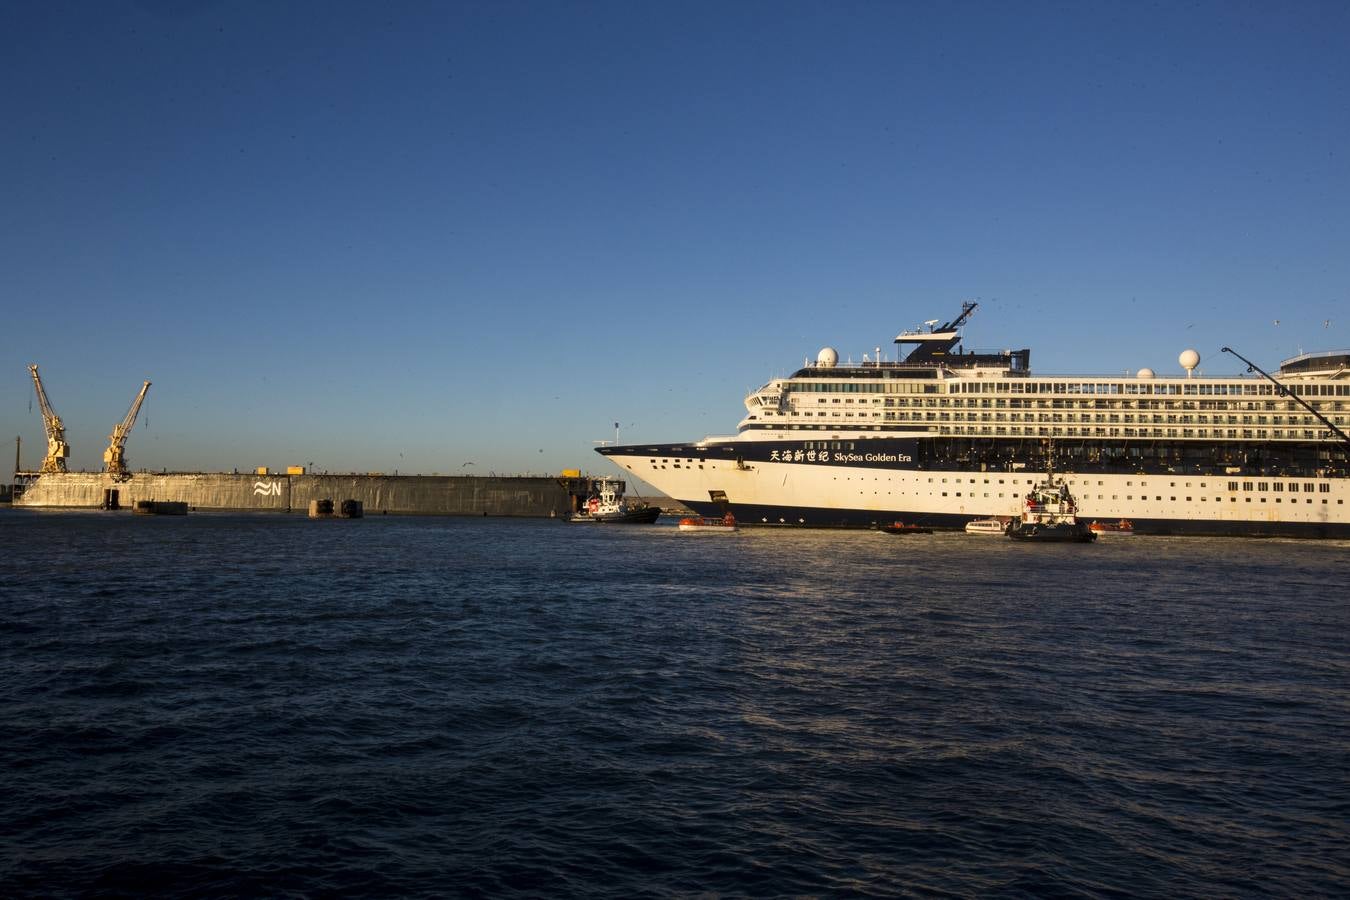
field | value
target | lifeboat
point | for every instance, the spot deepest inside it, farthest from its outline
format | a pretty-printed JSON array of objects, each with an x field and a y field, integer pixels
[{"x": 708, "y": 523}]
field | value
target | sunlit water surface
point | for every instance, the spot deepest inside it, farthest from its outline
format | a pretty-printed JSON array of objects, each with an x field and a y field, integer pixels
[{"x": 241, "y": 705}]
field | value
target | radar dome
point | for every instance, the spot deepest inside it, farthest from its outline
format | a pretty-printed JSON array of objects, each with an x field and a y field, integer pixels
[
  {"x": 1144, "y": 373},
  {"x": 1189, "y": 359},
  {"x": 827, "y": 357}
]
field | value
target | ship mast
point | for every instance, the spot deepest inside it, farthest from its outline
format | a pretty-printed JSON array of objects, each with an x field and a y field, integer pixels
[
  {"x": 967, "y": 308},
  {"x": 114, "y": 459},
  {"x": 57, "y": 448}
]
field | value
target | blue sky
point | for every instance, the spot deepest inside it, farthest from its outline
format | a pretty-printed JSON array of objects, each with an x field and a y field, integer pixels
[{"x": 429, "y": 235}]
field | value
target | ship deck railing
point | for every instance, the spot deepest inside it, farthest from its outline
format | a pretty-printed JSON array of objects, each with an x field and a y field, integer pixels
[{"x": 1319, "y": 354}]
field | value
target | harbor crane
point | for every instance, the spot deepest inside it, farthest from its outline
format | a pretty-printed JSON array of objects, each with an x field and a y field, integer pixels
[
  {"x": 114, "y": 458},
  {"x": 57, "y": 448}
]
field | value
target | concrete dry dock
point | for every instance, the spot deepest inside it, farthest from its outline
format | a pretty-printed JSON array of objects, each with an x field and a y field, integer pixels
[{"x": 438, "y": 495}]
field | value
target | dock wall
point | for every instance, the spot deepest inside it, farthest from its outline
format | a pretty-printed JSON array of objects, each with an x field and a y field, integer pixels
[{"x": 527, "y": 495}]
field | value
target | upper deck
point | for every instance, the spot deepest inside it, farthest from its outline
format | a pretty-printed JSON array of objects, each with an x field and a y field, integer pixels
[
  {"x": 943, "y": 390},
  {"x": 1326, "y": 364}
]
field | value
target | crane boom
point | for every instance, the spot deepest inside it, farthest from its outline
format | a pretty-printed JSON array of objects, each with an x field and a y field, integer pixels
[
  {"x": 1282, "y": 390},
  {"x": 57, "y": 448},
  {"x": 114, "y": 459}
]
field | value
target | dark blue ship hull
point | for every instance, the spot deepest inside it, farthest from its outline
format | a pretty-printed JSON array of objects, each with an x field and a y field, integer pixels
[{"x": 751, "y": 515}]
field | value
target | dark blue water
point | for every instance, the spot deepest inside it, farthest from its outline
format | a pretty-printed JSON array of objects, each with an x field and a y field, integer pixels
[{"x": 232, "y": 705}]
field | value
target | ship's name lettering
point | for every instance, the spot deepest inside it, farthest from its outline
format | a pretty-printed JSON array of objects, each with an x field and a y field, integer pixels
[
  {"x": 872, "y": 457},
  {"x": 846, "y": 458},
  {"x": 799, "y": 456}
]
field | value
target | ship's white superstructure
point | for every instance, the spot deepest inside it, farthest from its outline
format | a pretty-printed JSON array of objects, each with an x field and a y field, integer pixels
[{"x": 947, "y": 435}]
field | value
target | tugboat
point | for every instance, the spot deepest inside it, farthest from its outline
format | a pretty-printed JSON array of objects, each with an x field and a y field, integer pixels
[
  {"x": 606, "y": 504},
  {"x": 1050, "y": 514}
]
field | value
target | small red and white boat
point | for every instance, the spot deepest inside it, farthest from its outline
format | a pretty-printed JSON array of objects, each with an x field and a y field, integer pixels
[
  {"x": 707, "y": 523},
  {"x": 902, "y": 528},
  {"x": 1123, "y": 527}
]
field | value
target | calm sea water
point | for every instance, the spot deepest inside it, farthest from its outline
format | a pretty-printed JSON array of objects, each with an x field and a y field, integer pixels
[{"x": 243, "y": 705}]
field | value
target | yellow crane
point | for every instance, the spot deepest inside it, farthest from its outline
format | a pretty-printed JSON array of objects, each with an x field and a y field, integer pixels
[
  {"x": 114, "y": 459},
  {"x": 57, "y": 448}
]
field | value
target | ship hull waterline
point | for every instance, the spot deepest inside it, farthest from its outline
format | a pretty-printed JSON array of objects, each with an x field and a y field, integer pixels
[
  {"x": 757, "y": 516},
  {"x": 739, "y": 477}
]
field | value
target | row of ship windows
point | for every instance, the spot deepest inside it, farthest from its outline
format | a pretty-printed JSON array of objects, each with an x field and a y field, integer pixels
[
  {"x": 1278, "y": 487},
  {"x": 1263, "y": 389},
  {"x": 1169, "y": 431},
  {"x": 1016, "y": 403},
  {"x": 1158, "y": 418},
  {"x": 1019, "y": 386},
  {"x": 1144, "y": 497}
]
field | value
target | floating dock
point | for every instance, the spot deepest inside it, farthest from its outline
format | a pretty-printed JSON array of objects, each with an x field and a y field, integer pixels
[{"x": 539, "y": 496}]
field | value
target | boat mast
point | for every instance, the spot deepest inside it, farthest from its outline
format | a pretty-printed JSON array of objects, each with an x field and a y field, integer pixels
[{"x": 967, "y": 308}]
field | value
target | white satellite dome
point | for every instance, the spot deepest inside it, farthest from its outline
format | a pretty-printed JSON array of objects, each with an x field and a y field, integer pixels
[
  {"x": 827, "y": 357},
  {"x": 1189, "y": 359},
  {"x": 1145, "y": 372}
]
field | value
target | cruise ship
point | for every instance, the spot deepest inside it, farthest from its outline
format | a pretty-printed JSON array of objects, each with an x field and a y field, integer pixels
[{"x": 944, "y": 435}]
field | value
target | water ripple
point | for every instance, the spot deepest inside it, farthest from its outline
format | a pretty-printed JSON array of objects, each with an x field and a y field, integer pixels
[{"x": 230, "y": 705}]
